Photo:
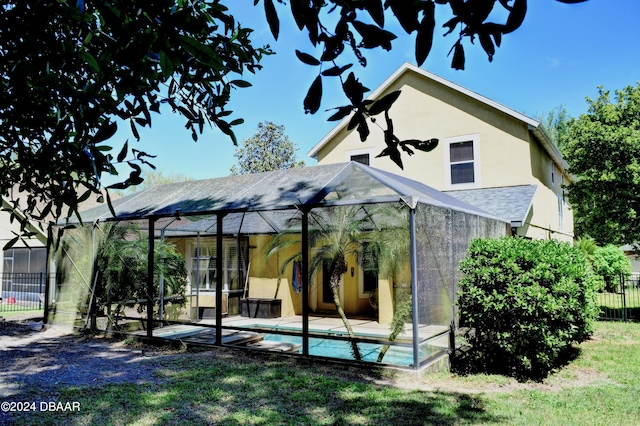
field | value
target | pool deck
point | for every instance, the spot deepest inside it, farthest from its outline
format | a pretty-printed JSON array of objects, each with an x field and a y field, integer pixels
[{"x": 250, "y": 331}]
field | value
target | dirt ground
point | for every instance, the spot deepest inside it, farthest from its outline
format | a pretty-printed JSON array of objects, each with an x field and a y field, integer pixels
[{"x": 32, "y": 358}]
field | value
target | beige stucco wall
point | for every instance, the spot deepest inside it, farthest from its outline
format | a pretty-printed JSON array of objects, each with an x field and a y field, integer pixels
[
  {"x": 263, "y": 283},
  {"x": 8, "y": 231},
  {"x": 508, "y": 154}
]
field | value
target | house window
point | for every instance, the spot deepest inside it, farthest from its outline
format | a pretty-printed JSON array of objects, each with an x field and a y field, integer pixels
[
  {"x": 204, "y": 264},
  {"x": 553, "y": 175},
  {"x": 461, "y": 155},
  {"x": 560, "y": 213},
  {"x": 462, "y": 162},
  {"x": 361, "y": 158},
  {"x": 25, "y": 260}
]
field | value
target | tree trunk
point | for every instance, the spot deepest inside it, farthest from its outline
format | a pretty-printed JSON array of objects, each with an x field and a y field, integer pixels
[{"x": 335, "y": 285}]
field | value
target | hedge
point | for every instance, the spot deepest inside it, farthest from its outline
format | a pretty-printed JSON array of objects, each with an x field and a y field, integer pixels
[{"x": 527, "y": 302}]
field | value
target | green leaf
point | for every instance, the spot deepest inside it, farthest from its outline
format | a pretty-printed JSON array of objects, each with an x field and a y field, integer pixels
[
  {"x": 123, "y": 152},
  {"x": 516, "y": 16},
  {"x": 306, "y": 58},
  {"x": 336, "y": 71},
  {"x": 373, "y": 36},
  {"x": 89, "y": 58},
  {"x": 487, "y": 45},
  {"x": 240, "y": 83},
  {"x": 343, "y": 112},
  {"x": 166, "y": 64},
  {"x": 134, "y": 130},
  {"x": 298, "y": 12},
  {"x": 107, "y": 130},
  {"x": 314, "y": 97},
  {"x": 424, "y": 38},
  {"x": 384, "y": 103},
  {"x": 202, "y": 53},
  {"x": 374, "y": 7},
  {"x": 406, "y": 11},
  {"x": 458, "y": 57},
  {"x": 272, "y": 18},
  {"x": 11, "y": 243}
]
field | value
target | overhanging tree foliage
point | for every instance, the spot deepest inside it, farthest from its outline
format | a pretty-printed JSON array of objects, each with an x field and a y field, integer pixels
[
  {"x": 268, "y": 149},
  {"x": 602, "y": 148},
  {"x": 72, "y": 70}
]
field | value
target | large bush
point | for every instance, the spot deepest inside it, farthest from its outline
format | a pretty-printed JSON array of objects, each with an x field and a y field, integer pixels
[
  {"x": 609, "y": 262},
  {"x": 527, "y": 302}
]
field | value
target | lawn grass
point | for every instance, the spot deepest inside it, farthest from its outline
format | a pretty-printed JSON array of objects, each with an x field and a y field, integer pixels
[
  {"x": 8, "y": 311},
  {"x": 235, "y": 388}
]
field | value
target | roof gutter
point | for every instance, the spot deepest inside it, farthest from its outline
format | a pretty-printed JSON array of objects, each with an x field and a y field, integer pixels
[{"x": 549, "y": 147}]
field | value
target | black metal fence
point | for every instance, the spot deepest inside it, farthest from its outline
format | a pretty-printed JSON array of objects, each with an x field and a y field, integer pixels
[
  {"x": 622, "y": 302},
  {"x": 22, "y": 291}
]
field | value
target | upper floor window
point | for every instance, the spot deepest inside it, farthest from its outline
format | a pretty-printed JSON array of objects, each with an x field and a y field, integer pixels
[
  {"x": 462, "y": 162},
  {"x": 363, "y": 156}
]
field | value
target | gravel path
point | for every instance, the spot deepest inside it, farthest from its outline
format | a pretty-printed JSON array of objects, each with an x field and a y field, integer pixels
[{"x": 31, "y": 358}]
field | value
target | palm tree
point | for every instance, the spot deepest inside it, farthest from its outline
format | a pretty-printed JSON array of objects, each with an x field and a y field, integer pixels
[
  {"x": 335, "y": 234},
  {"x": 121, "y": 268},
  {"x": 387, "y": 252}
]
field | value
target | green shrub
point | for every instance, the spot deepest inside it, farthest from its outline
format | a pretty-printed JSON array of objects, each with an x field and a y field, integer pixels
[
  {"x": 609, "y": 262},
  {"x": 528, "y": 303}
]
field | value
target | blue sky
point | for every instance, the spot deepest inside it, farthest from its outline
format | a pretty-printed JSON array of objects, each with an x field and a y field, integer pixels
[{"x": 559, "y": 56}]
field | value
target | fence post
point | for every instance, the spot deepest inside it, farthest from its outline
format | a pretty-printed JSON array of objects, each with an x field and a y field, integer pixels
[
  {"x": 624, "y": 298},
  {"x": 40, "y": 290}
]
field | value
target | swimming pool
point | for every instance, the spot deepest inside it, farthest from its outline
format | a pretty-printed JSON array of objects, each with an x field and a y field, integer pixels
[{"x": 396, "y": 355}]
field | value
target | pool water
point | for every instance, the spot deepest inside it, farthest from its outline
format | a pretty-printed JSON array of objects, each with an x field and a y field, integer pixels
[{"x": 396, "y": 355}]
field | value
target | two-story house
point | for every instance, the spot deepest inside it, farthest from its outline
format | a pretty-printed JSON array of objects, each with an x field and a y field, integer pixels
[{"x": 488, "y": 154}]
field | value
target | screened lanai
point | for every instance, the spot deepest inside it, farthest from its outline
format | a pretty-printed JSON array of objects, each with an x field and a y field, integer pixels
[{"x": 337, "y": 261}]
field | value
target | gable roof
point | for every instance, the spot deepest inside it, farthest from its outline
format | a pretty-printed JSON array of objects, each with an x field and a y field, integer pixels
[
  {"x": 534, "y": 126},
  {"x": 511, "y": 203},
  {"x": 268, "y": 194}
]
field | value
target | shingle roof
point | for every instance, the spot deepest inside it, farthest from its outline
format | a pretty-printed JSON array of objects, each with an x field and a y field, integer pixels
[
  {"x": 511, "y": 203},
  {"x": 267, "y": 195}
]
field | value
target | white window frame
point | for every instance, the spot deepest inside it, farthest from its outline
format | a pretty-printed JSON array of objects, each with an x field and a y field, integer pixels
[
  {"x": 560, "y": 213},
  {"x": 475, "y": 139},
  {"x": 228, "y": 269},
  {"x": 553, "y": 174},
  {"x": 368, "y": 151}
]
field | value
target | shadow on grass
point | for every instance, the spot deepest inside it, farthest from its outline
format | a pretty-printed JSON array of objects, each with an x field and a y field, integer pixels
[
  {"x": 617, "y": 314},
  {"x": 231, "y": 387},
  {"x": 468, "y": 360}
]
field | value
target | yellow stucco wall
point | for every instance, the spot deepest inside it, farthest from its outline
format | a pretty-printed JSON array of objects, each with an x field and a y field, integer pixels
[
  {"x": 509, "y": 154},
  {"x": 263, "y": 282}
]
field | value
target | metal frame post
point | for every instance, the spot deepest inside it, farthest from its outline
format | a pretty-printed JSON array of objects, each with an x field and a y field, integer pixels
[
  {"x": 414, "y": 286},
  {"x": 305, "y": 282},
  {"x": 219, "y": 278},
  {"x": 150, "y": 268}
]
